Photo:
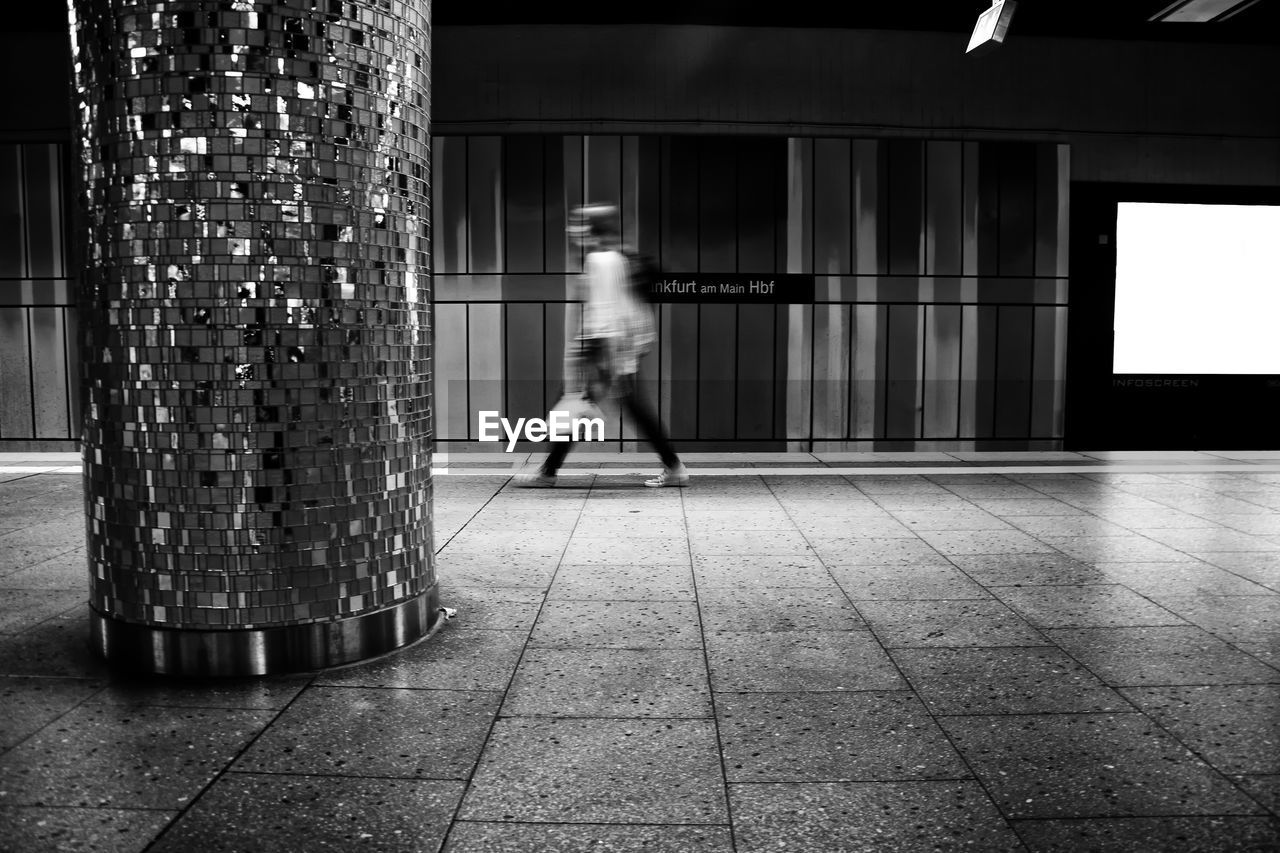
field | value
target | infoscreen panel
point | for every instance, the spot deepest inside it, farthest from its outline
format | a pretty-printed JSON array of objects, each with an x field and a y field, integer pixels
[{"x": 1197, "y": 289}]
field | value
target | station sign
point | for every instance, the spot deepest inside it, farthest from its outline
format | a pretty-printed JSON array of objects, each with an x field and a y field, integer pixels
[{"x": 734, "y": 288}]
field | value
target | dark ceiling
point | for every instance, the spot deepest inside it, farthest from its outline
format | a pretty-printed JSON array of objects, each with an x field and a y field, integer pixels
[{"x": 1112, "y": 19}]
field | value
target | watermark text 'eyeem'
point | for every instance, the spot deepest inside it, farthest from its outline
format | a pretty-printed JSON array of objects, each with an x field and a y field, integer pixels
[{"x": 559, "y": 426}]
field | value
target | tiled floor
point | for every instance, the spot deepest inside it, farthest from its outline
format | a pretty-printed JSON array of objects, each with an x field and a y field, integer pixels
[{"x": 1025, "y": 653}]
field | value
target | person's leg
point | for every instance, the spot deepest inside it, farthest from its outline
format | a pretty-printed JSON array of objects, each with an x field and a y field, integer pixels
[
  {"x": 647, "y": 422},
  {"x": 559, "y": 450}
]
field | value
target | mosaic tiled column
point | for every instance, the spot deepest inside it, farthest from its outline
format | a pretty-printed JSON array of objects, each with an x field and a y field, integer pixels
[{"x": 255, "y": 315}]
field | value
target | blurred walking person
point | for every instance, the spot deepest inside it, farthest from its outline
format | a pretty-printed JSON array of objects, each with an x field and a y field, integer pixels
[{"x": 607, "y": 331}]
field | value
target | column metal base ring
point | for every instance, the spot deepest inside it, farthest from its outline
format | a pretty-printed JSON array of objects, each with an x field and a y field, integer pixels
[{"x": 155, "y": 650}]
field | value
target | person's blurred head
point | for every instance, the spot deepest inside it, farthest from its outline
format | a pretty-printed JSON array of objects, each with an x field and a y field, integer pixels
[{"x": 595, "y": 225}]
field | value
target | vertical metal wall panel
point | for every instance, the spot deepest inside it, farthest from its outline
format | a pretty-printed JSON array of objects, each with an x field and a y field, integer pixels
[
  {"x": 523, "y": 204},
  {"x": 256, "y": 331},
  {"x": 449, "y": 205},
  {"x": 43, "y": 219},
  {"x": 602, "y": 161},
  {"x": 555, "y": 212},
  {"x": 717, "y": 205},
  {"x": 485, "y": 240},
  {"x": 1016, "y": 213},
  {"x": 12, "y": 229},
  {"x": 799, "y": 319},
  {"x": 632, "y": 191},
  {"x": 648, "y": 165},
  {"x": 944, "y": 208},
  {"x": 987, "y": 186},
  {"x": 1048, "y": 390},
  {"x": 71, "y": 350},
  {"x": 525, "y": 371},
  {"x": 866, "y": 360},
  {"x": 553, "y": 352},
  {"x": 831, "y": 372},
  {"x": 969, "y": 214},
  {"x": 869, "y": 250},
  {"x": 681, "y": 369},
  {"x": 485, "y": 359},
  {"x": 48, "y": 373},
  {"x": 15, "y": 373},
  {"x": 905, "y": 206},
  {"x": 902, "y": 371},
  {"x": 679, "y": 218},
  {"x": 717, "y": 388},
  {"x": 573, "y": 194},
  {"x": 1014, "y": 361},
  {"x": 755, "y": 393},
  {"x": 942, "y": 367},
  {"x": 832, "y": 202},
  {"x": 758, "y": 175},
  {"x": 449, "y": 354}
]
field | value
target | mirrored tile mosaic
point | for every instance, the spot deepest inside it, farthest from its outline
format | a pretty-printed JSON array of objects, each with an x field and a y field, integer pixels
[{"x": 256, "y": 325}]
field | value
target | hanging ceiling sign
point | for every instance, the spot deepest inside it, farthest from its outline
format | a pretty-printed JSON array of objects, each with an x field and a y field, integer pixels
[{"x": 738, "y": 288}]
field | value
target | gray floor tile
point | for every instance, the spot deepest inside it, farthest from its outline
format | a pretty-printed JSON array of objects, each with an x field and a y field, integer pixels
[
  {"x": 974, "y": 622},
  {"x": 967, "y": 542},
  {"x": 878, "y": 551},
  {"x": 1263, "y": 787},
  {"x": 618, "y": 625},
  {"x": 832, "y": 737},
  {"x": 1115, "y": 549},
  {"x": 759, "y": 609},
  {"x": 499, "y": 608},
  {"x": 21, "y": 609},
  {"x": 1152, "y": 579},
  {"x": 1263, "y": 568},
  {"x": 762, "y": 570},
  {"x": 1157, "y": 835},
  {"x": 1084, "y": 606},
  {"x": 29, "y": 703},
  {"x": 68, "y": 570},
  {"x": 26, "y": 829},
  {"x": 610, "y": 551},
  {"x": 631, "y": 526},
  {"x": 740, "y": 543},
  {"x": 54, "y": 647},
  {"x": 491, "y": 569},
  {"x": 1238, "y": 618},
  {"x": 1090, "y": 765},
  {"x": 496, "y": 837},
  {"x": 352, "y": 731},
  {"x": 455, "y": 658},
  {"x": 1008, "y": 509},
  {"x": 1023, "y": 680},
  {"x": 600, "y": 582},
  {"x": 1195, "y": 540},
  {"x": 248, "y": 811},
  {"x": 883, "y": 583},
  {"x": 1027, "y": 570},
  {"x": 1181, "y": 654},
  {"x": 964, "y": 519},
  {"x": 1234, "y": 727},
  {"x": 610, "y": 683},
  {"x": 868, "y": 816},
  {"x": 599, "y": 771},
  {"x": 265, "y": 694},
  {"x": 837, "y": 533},
  {"x": 1068, "y": 525},
  {"x": 790, "y": 661},
  {"x": 126, "y": 757}
]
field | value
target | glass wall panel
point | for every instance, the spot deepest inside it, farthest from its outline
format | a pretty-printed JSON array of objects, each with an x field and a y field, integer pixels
[
  {"x": 15, "y": 377},
  {"x": 906, "y": 206},
  {"x": 523, "y": 173},
  {"x": 484, "y": 204},
  {"x": 1017, "y": 210},
  {"x": 43, "y": 204},
  {"x": 12, "y": 243},
  {"x": 942, "y": 366},
  {"x": 602, "y": 157},
  {"x": 526, "y": 366},
  {"x": 755, "y": 344},
  {"x": 1014, "y": 361}
]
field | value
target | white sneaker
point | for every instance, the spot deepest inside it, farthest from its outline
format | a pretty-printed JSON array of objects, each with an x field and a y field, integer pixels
[
  {"x": 677, "y": 476},
  {"x": 534, "y": 478}
]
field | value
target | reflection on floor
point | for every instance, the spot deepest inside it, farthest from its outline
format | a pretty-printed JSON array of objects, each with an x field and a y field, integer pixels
[{"x": 1014, "y": 653}]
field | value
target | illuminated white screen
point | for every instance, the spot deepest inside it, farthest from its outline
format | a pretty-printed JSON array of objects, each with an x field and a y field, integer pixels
[{"x": 1197, "y": 288}]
